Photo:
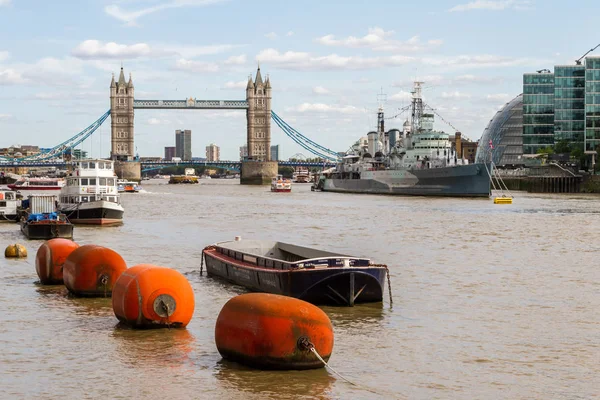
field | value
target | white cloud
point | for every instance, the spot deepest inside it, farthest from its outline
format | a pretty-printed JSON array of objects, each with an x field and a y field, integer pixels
[
  {"x": 484, "y": 60},
  {"x": 379, "y": 40},
  {"x": 235, "y": 85},
  {"x": 290, "y": 33},
  {"x": 236, "y": 60},
  {"x": 271, "y": 35},
  {"x": 94, "y": 49},
  {"x": 195, "y": 66},
  {"x": 499, "y": 97},
  {"x": 455, "y": 95},
  {"x": 130, "y": 17},
  {"x": 157, "y": 121},
  {"x": 324, "y": 108},
  {"x": 401, "y": 95},
  {"x": 428, "y": 79},
  {"x": 305, "y": 61},
  {"x": 4, "y": 2},
  {"x": 4, "y": 117},
  {"x": 320, "y": 90},
  {"x": 494, "y": 5},
  {"x": 11, "y": 77},
  {"x": 4, "y": 55}
]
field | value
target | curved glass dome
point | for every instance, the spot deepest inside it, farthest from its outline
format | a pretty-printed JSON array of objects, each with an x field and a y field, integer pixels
[{"x": 505, "y": 130}]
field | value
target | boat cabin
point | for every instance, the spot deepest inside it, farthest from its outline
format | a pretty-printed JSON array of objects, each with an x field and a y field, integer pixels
[{"x": 90, "y": 180}]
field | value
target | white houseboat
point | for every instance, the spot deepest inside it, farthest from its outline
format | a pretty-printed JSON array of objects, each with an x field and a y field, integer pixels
[
  {"x": 91, "y": 195},
  {"x": 8, "y": 205}
]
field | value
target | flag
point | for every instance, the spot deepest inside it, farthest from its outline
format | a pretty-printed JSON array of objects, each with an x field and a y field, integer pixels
[{"x": 491, "y": 145}]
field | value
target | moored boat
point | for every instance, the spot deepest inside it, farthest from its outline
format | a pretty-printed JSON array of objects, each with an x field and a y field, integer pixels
[
  {"x": 91, "y": 196},
  {"x": 37, "y": 184},
  {"x": 47, "y": 226},
  {"x": 40, "y": 220},
  {"x": 281, "y": 184},
  {"x": 316, "y": 276},
  {"x": 8, "y": 205}
]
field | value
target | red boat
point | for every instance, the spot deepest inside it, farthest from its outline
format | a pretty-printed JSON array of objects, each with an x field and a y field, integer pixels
[{"x": 37, "y": 184}]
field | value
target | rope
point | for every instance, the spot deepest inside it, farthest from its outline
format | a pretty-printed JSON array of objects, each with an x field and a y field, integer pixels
[
  {"x": 305, "y": 344},
  {"x": 104, "y": 281},
  {"x": 165, "y": 307},
  {"x": 207, "y": 248},
  {"x": 387, "y": 270}
]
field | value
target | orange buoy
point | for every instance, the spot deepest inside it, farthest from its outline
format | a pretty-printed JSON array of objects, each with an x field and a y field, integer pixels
[
  {"x": 149, "y": 296},
  {"x": 273, "y": 332},
  {"x": 92, "y": 270},
  {"x": 50, "y": 258}
]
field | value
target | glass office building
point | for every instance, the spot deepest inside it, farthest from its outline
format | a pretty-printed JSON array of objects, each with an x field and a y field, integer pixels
[
  {"x": 562, "y": 106},
  {"x": 538, "y": 111},
  {"x": 505, "y": 131},
  {"x": 569, "y": 104},
  {"x": 592, "y": 103}
]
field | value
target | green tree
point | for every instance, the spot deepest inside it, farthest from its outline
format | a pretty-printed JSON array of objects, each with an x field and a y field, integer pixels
[
  {"x": 545, "y": 150},
  {"x": 286, "y": 172},
  {"x": 563, "y": 147}
]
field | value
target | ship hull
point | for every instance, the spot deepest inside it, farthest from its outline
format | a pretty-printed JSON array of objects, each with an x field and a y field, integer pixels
[
  {"x": 93, "y": 213},
  {"x": 470, "y": 180},
  {"x": 46, "y": 231}
]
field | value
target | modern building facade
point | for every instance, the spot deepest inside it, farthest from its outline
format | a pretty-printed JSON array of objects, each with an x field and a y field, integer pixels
[
  {"x": 275, "y": 152},
  {"x": 562, "y": 106},
  {"x": 538, "y": 111},
  {"x": 213, "y": 152},
  {"x": 183, "y": 144},
  {"x": 243, "y": 152},
  {"x": 169, "y": 153},
  {"x": 505, "y": 131},
  {"x": 592, "y": 103}
]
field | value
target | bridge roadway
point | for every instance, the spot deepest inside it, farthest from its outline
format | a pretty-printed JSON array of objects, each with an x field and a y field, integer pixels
[{"x": 232, "y": 165}]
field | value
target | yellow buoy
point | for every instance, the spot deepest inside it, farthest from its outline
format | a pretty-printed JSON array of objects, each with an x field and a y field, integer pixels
[
  {"x": 15, "y": 251},
  {"x": 502, "y": 200}
]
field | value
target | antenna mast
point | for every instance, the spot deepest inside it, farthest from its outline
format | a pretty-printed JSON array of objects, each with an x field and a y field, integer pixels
[
  {"x": 381, "y": 99},
  {"x": 417, "y": 108}
]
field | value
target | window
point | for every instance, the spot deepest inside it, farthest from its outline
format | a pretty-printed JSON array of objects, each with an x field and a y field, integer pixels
[
  {"x": 84, "y": 165},
  {"x": 110, "y": 182},
  {"x": 84, "y": 181},
  {"x": 102, "y": 180},
  {"x": 92, "y": 165},
  {"x": 93, "y": 181},
  {"x": 84, "y": 199},
  {"x": 100, "y": 165}
]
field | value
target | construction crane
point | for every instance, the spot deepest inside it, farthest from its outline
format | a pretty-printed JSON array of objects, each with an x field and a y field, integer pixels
[{"x": 578, "y": 62}]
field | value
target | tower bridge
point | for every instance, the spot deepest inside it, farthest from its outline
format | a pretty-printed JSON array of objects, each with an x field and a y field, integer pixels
[{"x": 257, "y": 169}]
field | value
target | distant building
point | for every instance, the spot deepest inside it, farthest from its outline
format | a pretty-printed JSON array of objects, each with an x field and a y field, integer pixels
[
  {"x": 183, "y": 144},
  {"x": 20, "y": 151},
  {"x": 243, "y": 152},
  {"x": 170, "y": 153},
  {"x": 275, "y": 152},
  {"x": 213, "y": 152},
  {"x": 563, "y": 105},
  {"x": 505, "y": 132}
]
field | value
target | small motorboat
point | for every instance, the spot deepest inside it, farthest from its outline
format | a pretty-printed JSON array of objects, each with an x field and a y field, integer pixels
[
  {"x": 124, "y": 186},
  {"x": 281, "y": 184},
  {"x": 316, "y": 276}
]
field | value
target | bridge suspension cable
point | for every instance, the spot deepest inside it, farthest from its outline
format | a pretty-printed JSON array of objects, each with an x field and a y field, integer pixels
[
  {"x": 303, "y": 141},
  {"x": 68, "y": 144}
]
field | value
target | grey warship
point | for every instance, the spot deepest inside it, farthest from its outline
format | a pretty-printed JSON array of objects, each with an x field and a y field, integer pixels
[{"x": 416, "y": 161}]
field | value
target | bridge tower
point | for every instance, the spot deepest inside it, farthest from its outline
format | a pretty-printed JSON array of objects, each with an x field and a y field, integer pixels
[
  {"x": 121, "y": 118},
  {"x": 258, "y": 169},
  {"x": 258, "y": 96}
]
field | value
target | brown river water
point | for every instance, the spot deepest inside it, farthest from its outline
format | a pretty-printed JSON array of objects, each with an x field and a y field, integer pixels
[{"x": 490, "y": 301}]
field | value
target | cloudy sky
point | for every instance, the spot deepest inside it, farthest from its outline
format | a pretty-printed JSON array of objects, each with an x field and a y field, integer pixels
[{"x": 327, "y": 60}]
